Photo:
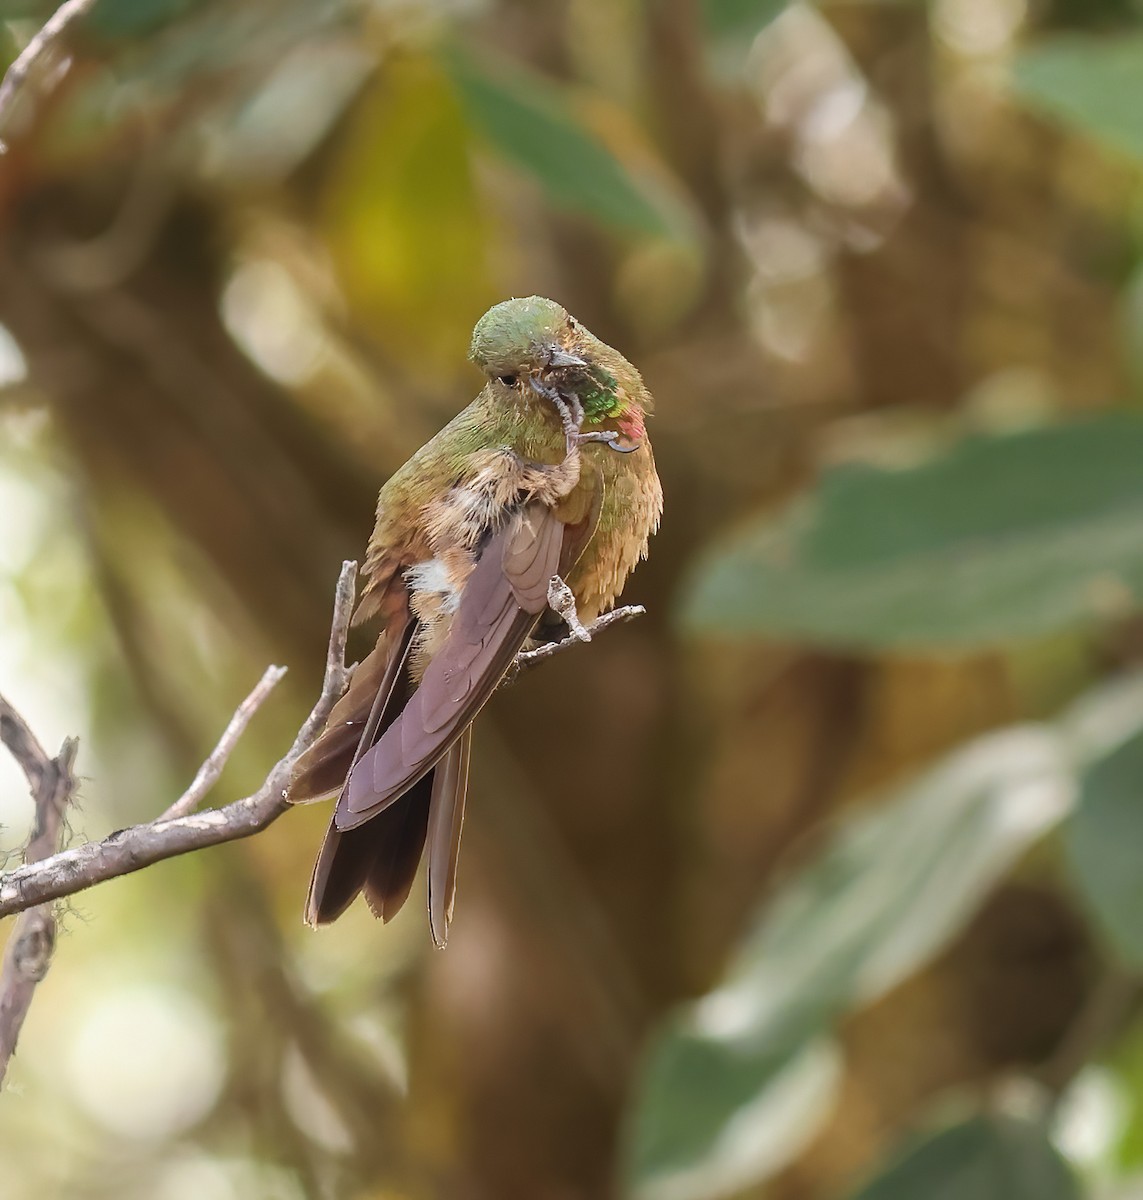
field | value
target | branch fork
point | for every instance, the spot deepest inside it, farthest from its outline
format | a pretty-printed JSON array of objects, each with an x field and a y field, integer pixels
[{"x": 49, "y": 873}]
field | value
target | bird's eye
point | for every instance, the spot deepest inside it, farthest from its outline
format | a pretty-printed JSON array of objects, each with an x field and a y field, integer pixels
[{"x": 508, "y": 380}]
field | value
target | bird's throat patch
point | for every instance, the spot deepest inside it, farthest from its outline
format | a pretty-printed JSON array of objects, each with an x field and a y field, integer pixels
[{"x": 600, "y": 395}]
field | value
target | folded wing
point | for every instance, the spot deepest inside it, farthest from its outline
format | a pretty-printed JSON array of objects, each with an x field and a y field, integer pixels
[{"x": 503, "y": 598}]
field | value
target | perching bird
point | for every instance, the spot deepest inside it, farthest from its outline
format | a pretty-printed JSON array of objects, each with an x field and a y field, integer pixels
[{"x": 548, "y": 472}]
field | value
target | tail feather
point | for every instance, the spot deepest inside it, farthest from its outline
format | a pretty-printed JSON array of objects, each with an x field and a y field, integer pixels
[
  {"x": 446, "y": 819},
  {"x": 398, "y": 838},
  {"x": 380, "y": 856},
  {"x": 339, "y": 873}
]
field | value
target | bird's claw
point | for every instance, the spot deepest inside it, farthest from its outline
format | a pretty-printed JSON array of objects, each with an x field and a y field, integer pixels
[
  {"x": 572, "y": 416},
  {"x": 561, "y": 600},
  {"x": 609, "y": 438}
]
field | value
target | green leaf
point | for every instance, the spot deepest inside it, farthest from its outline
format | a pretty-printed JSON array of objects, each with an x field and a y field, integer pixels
[
  {"x": 742, "y": 20},
  {"x": 133, "y": 18},
  {"x": 1002, "y": 538},
  {"x": 894, "y": 885},
  {"x": 721, "y": 1113},
  {"x": 1104, "y": 843},
  {"x": 1095, "y": 83},
  {"x": 899, "y": 878},
  {"x": 1102, "y": 720},
  {"x": 1125, "y": 1061},
  {"x": 986, "y": 1158},
  {"x": 735, "y": 1084},
  {"x": 739, "y": 18},
  {"x": 18, "y": 10},
  {"x": 531, "y": 122},
  {"x": 403, "y": 219}
]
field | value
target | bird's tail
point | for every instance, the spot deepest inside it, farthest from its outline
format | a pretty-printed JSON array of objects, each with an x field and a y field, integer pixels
[{"x": 380, "y": 856}]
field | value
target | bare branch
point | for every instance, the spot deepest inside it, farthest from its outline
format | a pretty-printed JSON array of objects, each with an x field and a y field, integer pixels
[
  {"x": 180, "y": 830},
  {"x": 132, "y": 849},
  {"x": 210, "y": 770},
  {"x": 23, "y": 745},
  {"x": 39, "y": 47},
  {"x": 530, "y": 658},
  {"x": 28, "y": 953}
]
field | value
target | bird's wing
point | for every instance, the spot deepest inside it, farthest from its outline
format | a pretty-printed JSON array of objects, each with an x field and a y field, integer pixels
[
  {"x": 502, "y": 599},
  {"x": 579, "y": 515},
  {"x": 356, "y": 717}
]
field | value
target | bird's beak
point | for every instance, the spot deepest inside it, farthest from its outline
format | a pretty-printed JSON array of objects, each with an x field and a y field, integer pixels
[{"x": 558, "y": 357}]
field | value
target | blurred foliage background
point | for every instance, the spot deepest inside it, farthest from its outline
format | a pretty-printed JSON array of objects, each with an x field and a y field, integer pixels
[{"x": 841, "y": 894}]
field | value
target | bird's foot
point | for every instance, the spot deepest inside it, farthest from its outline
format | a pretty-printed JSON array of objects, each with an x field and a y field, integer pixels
[
  {"x": 608, "y": 437},
  {"x": 561, "y": 600},
  {"x": 568, "y": 405},
  {"x": 571, "y": 416}
]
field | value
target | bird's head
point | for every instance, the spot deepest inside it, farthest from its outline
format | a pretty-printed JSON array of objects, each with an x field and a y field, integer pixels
[{"x": 534, "y": 347}]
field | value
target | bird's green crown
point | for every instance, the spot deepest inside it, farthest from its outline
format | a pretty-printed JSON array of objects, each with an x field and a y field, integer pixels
[
  {"x": 512, "y": 335},
  {"x": 518, "y": 337}
]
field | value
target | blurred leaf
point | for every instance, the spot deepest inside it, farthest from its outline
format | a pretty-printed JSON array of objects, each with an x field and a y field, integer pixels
[
  {"x": 986, "y": 1158},
  {"x": 15, "y": 10},
  {"x": 1103, "y": 719},
  {"x": 777, "y": 1098},
  {"x": 744, "y": 19},
  {"x": 290, "y": 114},
  {"x": 1104, "y": 841},
  {"x": 1003, "y": 537},
  {"x": 403, "y": 219},
  {"x": 739, "y": 18},
  {"x": 1131, "y": 326},
  {"x": 1108, "y": 15},
  {"x": 132, "y": 18},
  {"x": 900, "y": 878},
  {"x": 1126, "y": 1062},
  {"x": 8, "y": 47},
  {"x": 893, "y": 886},
  {"x": 1095, "y": 83},
  {"x": 208, "y": 73},
  {"x": 531, "y": 121}
]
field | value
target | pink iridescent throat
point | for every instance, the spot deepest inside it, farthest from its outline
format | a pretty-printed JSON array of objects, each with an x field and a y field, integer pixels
[{"x": 630, "y": 423}]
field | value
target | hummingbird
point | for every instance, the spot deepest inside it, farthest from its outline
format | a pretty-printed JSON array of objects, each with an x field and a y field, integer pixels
[{"x": 546, "y": 481}]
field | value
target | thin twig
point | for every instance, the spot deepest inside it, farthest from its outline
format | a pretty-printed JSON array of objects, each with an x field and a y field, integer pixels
[
  {"x": 139, "y": 846},
  {"x": 17, "y": 74},
  {"x": 210, "y": 770},
  {"x": 529, "y": 658},
  {"x": 28, "y": 953}
]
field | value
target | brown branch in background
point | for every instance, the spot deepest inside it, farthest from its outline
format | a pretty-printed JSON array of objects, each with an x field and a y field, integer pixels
[
  {"x": 1113, "y": 998},
  {"x": 39, "y": 47},
  {"x": 29, "y": 951},
  {"x": 180, "y": 830}
]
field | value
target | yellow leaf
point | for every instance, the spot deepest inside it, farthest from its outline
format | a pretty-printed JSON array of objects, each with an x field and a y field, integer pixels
[{"x": 403, "y": 219}]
